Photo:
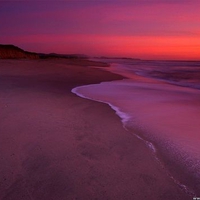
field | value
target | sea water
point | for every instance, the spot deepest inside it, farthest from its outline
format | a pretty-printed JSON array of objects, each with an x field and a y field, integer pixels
[{"x": 159, "y": 101}]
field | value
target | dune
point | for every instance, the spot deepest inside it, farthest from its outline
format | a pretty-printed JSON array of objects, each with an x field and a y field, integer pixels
[{"x": 14, "y": 52}]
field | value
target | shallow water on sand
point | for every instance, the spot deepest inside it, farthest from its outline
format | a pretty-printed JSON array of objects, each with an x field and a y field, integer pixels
[{"x": 153, "y": 102}]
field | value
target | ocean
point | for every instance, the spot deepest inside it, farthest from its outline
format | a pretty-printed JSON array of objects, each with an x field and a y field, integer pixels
[{"x": 158, "y": 102}]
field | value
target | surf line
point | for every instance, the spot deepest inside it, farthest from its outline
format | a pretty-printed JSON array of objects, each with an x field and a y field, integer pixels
[{"x": 124, "y": 119}]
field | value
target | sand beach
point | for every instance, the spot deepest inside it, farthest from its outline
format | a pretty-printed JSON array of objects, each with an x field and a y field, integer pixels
[{"x": 57, "y": 146}]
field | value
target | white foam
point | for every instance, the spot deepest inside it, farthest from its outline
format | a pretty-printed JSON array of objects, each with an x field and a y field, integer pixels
[
  {"x": 167, "y": 114},
  {"x": 125, "y": 118}
]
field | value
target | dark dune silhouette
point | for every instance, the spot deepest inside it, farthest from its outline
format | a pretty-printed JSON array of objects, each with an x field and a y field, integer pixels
[{"x": 14, "y": 52}]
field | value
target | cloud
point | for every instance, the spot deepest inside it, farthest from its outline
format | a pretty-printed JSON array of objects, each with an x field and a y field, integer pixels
[{"x": 110, "y": 27}]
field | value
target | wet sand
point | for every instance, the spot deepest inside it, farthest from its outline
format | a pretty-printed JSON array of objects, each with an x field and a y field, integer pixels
[{"x": 56, "y": 146}]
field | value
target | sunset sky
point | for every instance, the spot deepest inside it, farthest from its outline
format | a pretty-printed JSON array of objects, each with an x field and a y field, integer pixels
[{"x": 148, "y": 29}]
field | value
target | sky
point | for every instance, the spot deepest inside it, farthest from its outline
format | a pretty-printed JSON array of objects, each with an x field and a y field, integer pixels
[{"x": 146, "y": 29}]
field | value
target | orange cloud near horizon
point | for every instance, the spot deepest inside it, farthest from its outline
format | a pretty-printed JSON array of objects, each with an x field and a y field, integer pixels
[{"x": 144, "y": 47}]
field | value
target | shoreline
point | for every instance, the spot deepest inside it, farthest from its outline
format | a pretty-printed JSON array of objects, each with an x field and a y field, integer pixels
[
  {"x": 157, "y": 152},
  {"x": 68, "y": 146},
  {"x": 188, "y": 182}
]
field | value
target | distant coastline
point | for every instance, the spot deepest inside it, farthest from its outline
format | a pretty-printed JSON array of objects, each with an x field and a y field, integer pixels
[
  {"x": 13, "y": 52},
  {"x": 9, "y": 51}
]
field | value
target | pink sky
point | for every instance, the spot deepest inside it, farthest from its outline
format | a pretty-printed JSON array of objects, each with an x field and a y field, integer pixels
[{"x": 148, "y": 29}]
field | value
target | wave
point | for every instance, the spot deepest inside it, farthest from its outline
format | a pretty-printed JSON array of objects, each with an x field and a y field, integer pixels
[{"x": 126, "y": 119}]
